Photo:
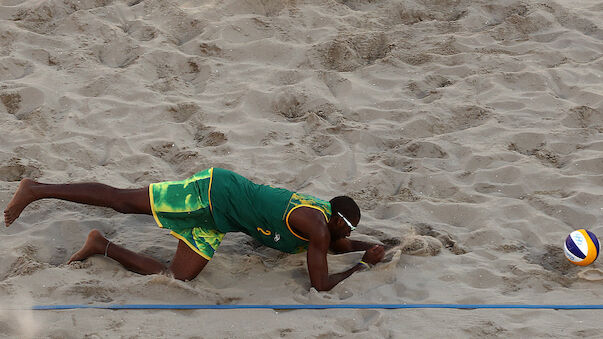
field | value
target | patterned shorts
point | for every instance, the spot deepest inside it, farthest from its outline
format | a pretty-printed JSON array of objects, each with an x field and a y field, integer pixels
[{"x": 184, "y": 207}]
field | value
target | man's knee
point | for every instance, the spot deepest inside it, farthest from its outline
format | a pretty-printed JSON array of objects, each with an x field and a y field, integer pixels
[
  {"x": 184, "y": 276},
  {"x": 187, "y": 264},
  {"x": 188, "y": 270}
]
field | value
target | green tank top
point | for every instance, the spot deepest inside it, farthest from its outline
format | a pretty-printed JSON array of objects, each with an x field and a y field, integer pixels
[{"x": 261, "y": 211}]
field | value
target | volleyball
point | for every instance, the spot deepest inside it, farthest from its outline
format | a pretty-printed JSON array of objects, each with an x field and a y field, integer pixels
[{"x": 581, "y": 247}]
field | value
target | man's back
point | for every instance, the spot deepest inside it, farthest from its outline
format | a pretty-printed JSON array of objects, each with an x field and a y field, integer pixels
[{"x": 239, "y": 205}]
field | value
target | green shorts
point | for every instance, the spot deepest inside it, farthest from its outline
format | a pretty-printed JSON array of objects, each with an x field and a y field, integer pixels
[{"x": 184, "y": 207}]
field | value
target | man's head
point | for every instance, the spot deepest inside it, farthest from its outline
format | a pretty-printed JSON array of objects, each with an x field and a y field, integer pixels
[{"x": 345, "y": 216}]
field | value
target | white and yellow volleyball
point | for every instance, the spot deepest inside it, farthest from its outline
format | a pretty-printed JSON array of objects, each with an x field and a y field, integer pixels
[{"x": 581, "y": 247}]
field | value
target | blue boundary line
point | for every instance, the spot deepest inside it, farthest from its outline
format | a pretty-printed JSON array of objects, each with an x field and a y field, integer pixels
[{"x": 313, "y": 306}]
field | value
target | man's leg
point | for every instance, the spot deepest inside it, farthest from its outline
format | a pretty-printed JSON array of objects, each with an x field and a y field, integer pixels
[
  {"x": 186, "y": 264},
  {"x": 122, "y": 200}
]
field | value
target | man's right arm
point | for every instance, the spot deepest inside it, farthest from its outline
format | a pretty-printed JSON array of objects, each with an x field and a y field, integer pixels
[{"x": 319, "y": 270}]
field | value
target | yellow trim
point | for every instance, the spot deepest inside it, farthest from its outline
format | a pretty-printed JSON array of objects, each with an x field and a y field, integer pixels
[
  {"x": 289, "y": 203},
  {"x": 592, "y": 250},
  {"x": 211, "y": 178},
  {"x": 153, "y": 206},
  {"x": 293, "y": 209},
  {"x": 264, "y": 232},
  {"x": 178, "y": 236}
]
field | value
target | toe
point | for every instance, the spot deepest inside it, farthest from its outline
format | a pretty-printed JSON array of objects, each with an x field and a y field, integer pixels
[{"x": 73, "y": 258}]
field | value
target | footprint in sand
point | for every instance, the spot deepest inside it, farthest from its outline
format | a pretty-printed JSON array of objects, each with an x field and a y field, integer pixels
[
  {"x": 16, "y": 169},
  {"x": 424, "y": 149},
  {"x": 591, "y": 274},
  {"x": 120, "y": 53},
  {"x": 429, "y": 87},
  {"x": 583, "y": 117},
  {"x": 21, "y": 101},
  {"x": 290, "y": 104},
  {"x": 142, "y": 32},
  {"x": 12, "y": 69},
  {"x": 173, "y": 72},
  {"x": 535, "y": 145},
  {"x": 184, "y": 111},
  {"x": 348, "y": 53},
  {"x": 178, "y": 26}
]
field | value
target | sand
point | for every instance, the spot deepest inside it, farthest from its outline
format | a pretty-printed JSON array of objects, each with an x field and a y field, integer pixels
[{"x": 469, "y": 132}]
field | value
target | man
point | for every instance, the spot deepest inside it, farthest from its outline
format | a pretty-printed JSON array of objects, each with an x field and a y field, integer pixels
[{"x": 201, "y": 209}]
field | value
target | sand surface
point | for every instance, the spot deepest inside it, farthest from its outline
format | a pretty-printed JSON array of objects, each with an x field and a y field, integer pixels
[{"x": 469, "y": 132}]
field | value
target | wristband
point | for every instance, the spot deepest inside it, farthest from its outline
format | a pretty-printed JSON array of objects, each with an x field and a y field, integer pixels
[{"x": 366, "y": 265}]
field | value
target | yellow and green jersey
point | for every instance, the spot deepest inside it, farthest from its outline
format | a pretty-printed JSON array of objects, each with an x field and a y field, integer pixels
[
  {"x": 200, "y": 209},
  {"x": 239, "y": 205}
]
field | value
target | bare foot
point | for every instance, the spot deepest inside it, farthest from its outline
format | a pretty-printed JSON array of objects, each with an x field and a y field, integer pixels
[
  {"x": 23, "y": 197},
  {"x": 95, "y": 244}
]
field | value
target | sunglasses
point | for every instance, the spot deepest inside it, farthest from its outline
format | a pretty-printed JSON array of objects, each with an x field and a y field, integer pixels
[{"x": 352, "y": 227}]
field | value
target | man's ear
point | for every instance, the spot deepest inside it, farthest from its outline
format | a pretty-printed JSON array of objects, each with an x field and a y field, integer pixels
[{"x": 338, "y": 221}]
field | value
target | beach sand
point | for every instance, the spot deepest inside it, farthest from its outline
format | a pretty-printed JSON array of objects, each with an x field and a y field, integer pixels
[{"x": 469, "y": 132}]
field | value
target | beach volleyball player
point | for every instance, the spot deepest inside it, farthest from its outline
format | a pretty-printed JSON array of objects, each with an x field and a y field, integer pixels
[{"x": 201, "y": 209}]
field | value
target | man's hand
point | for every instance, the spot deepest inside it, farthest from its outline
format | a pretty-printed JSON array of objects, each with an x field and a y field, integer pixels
[{"x": 374, "y": 254}]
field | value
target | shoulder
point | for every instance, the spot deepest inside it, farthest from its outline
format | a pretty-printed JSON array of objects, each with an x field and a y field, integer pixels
[{"x": 310, "y": 222}]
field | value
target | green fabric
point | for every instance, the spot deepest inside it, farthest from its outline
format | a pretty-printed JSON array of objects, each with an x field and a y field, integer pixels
[
  {"x": 202, "y": 208},
  {"x": 183, "y": 207},
  {"x": 239, "y": 205}
]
